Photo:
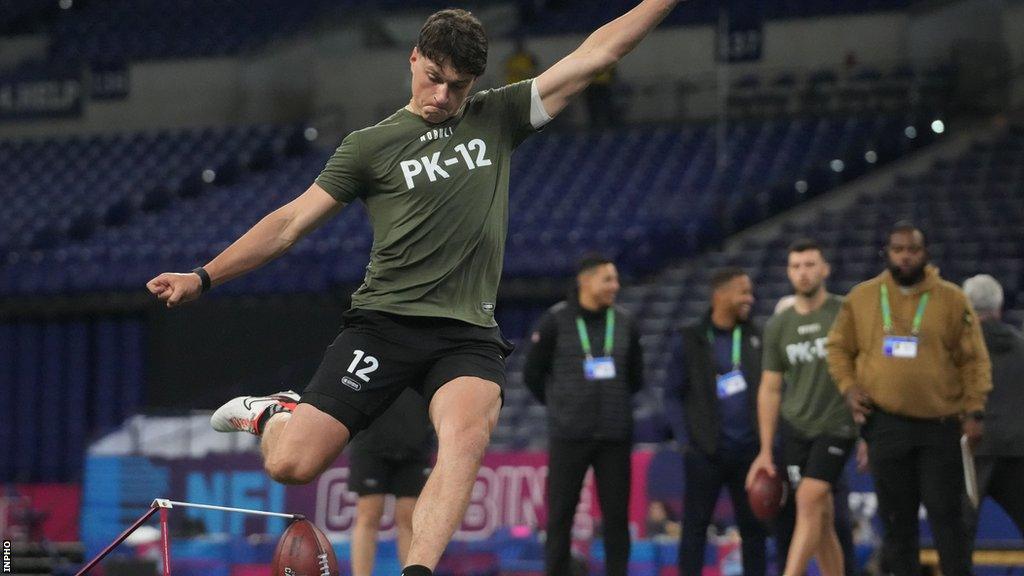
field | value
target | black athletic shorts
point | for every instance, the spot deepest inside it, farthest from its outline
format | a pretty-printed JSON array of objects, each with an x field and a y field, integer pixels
[
  {"x": 822, "y": 457},
  {"x": 378, "y": 355},
  {"x": 373, "y": 473}
]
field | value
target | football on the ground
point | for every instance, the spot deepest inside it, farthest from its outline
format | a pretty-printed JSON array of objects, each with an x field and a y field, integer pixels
[
  {"x": 767, "y": 496},
  {"x": 303, "y": 550}
]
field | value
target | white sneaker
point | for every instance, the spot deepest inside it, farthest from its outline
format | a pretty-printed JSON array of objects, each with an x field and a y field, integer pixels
[{"x": 248, "y": 413}]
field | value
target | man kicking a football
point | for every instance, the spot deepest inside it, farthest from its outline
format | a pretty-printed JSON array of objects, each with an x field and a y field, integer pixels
[{"x": 434, "y": 178}]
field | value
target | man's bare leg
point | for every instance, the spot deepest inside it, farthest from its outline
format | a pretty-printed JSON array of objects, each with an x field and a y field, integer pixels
[
  {"x": 369, "y": 509},
  {"x": 298, "y": 446},
  {"x": 830, "y": 551},
  {"x": 464, "y": 411},
  {"x": 815, "y": 531},
  {"x": 404, "y": 508}
]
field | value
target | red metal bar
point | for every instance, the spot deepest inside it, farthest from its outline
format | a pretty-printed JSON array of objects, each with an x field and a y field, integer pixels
[
  {"x": 167, "y": 546},
  {"x": 92, "y": 563}
]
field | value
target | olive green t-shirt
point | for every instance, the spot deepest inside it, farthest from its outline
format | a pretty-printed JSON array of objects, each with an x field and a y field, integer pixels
[
  {"x": 437, "y": 196},
  {"x": 794, "y": 344}
]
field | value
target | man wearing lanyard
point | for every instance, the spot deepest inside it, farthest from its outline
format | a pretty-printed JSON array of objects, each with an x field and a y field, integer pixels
[
  {"x": 907, "y": 353},
  {"x": 711, "y": 404},
  {"x": 590, "y": 416}
]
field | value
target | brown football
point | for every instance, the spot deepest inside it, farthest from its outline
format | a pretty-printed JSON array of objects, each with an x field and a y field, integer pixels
[
  {"x": 303, "y": 550},
  {"x": 767, "y": 496}
]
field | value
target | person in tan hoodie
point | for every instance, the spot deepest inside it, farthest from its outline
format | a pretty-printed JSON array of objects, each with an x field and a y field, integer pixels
[{"x": 908, "y": 355}]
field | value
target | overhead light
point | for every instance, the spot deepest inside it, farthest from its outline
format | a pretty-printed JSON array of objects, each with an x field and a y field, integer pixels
[
  {"x": 938, "y": 126},
  {"x": 800, "y": 186},
  {"x": 871, "y": 157},
  {"x": 910, "y": 132},
  {"x": 65, "y": 4},
  {"x": 837, "y": 165},
  {"x": 209, "y": 176},
  {"x": 310, "y": 134}
]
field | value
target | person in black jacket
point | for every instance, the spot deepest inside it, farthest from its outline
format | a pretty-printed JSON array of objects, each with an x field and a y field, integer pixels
[
  {"x": 999, "y": 457},
  {"x": 711, "y": 405},
  {"x": 584, "y": 364}
]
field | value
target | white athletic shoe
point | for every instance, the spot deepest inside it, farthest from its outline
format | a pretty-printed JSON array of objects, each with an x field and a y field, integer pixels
[{"x": 248, "y": 413}]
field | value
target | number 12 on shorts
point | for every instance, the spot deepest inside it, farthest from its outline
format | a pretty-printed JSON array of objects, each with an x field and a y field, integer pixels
[{"x": 370, "y": 365}]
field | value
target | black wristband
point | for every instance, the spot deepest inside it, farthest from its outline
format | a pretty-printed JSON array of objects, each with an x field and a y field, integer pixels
[
  {"x": 203, "y": 277},
  {"x": 977, "y": 415}
]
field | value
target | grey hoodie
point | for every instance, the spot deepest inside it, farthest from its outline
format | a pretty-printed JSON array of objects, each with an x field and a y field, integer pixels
[{"x": 1004, "y": 411}]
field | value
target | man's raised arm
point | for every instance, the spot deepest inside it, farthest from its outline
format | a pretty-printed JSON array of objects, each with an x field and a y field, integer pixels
[{"x": 603, "y": 48}]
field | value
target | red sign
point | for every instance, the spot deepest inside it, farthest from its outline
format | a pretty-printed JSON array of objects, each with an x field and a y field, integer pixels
[{"x": 33, "y": 511}]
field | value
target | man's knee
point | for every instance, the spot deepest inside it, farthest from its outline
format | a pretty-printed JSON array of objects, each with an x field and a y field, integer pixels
[
  {"x": 814, "y": 497},
  {"x": 468, "y": 434},
  {"x": 465, "y": 412},
  {"x": 290, "y": 468}
]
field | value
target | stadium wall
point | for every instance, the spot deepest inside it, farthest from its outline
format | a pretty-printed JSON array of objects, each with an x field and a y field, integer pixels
[
  {"x": 16, "y": 49},
  {"x": 326, "y": 75}
]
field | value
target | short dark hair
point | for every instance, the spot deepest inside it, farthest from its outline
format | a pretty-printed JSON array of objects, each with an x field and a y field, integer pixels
[
  {"x": 905, "y": 226},
  {"x": 590, "y": 261},
  {"x": 805, "y": 244},
  {"x": 725, "y": 275},
  {"x": 455, "y": 37}
]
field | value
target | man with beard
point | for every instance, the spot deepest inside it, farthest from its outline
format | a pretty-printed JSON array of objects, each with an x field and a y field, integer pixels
[
  {"x": 712, "y": 406},
  {"x": 908, "y": 354},
  {"x": 818, "y": 432}
]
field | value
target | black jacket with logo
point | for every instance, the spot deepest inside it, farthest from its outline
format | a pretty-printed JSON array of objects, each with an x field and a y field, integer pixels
[{"x": 579, "y": 409}]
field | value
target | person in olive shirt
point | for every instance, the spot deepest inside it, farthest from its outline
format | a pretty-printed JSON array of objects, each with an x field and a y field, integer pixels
[
  {"x": 434, "y": 177},
  {"x": 818, "y": 432},
  {"x": 711, "y": 405},
  {"x": 584, "y": 364},
  {"x": 907, "y": 353},
  {"x": 392, "y": 456}
]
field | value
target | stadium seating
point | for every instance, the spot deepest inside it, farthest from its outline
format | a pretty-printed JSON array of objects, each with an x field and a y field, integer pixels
[
  {"x": 120, "y": 30},
  {"x": 572, "y": 191},
  {"x": 133, "y": 30},
  {"x": 105, "y": 213},
  {"x": 581, "y": 16}
]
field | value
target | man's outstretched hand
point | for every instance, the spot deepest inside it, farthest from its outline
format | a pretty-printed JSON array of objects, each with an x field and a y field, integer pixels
[{"x": 175, "y": 289}]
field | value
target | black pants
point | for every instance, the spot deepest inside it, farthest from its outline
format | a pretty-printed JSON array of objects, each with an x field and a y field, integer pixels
[
  {"x": 568, "y": 461},
  {"x": 785, "y": 524},
  {"x": 1002, "y": 478},
  {"x": 705, "y": 478},
  {"x": 916, "y": 461}
]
